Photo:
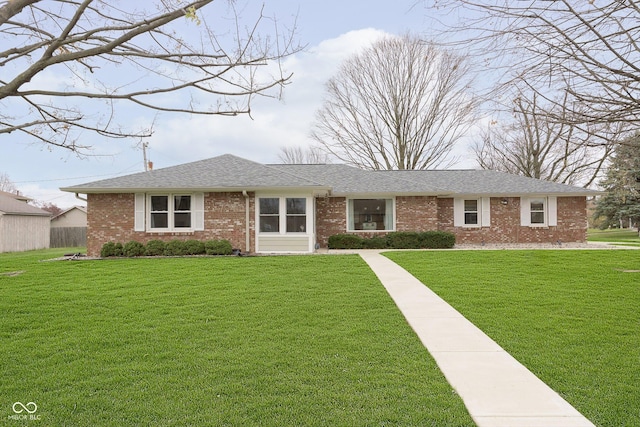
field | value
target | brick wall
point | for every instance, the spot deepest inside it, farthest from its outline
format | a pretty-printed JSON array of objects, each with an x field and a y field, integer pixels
[
  {"x": 506, "y": 228},
  {"x": 429, "y": 213},
  {"x": 331, "y": 218},
  {"x": 110, "y": 218}
]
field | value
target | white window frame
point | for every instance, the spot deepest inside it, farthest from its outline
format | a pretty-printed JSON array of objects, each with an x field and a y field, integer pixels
[
  {"x": 171, "y": 212},
  {"x": 282, "y": 215},
  {"x": 550, "y": 211},
  {"x": 484, "y": 212},
  {"x": 390, "y": 210},
  {"x": 142, "y": 215}
]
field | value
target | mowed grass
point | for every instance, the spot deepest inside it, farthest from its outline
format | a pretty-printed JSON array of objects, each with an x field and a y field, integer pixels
[
  {"x": 624, "y": 237},
  {"x": 571, "y": 317},
  {"x": 265, "y": 341}
]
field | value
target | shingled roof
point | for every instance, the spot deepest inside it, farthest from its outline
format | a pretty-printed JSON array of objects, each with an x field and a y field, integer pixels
[
  {"x": 16, "y": 206},
  {"x": 231, "y": 173},
  {"x": 222, "y": 173}
]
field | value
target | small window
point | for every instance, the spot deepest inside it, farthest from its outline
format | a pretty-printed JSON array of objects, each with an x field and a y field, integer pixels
[
  {"x": 537, "y": 211},
  {"x": 296, "y": 215},
  {"x": 471, "y": 212},
  {"x": 270, "y": 215}
]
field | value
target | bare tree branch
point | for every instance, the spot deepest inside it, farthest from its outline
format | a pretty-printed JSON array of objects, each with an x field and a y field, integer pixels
[
  {"x": 538, "y": 145},
  {"x": 88, "y": 52},
  {"x": 588, "y": 49}
]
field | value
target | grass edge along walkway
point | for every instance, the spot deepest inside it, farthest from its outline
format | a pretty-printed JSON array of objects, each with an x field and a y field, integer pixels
[
  {"x": 495, "y": 387},
  {"x": 570, "y": 316}
]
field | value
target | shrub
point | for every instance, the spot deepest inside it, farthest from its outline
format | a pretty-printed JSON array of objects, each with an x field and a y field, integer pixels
[
  {"x": 194, "y": 247},
  {"x": 110, "y": 249},
  {"x": 154, "y": 248},
  {"x": 404, "y": 240},
  {"x": 377, "y": 242},
  {"x": 437, "y": 240},
  {"x": 175, "y": 248},
  {"x": 133, "y": 248},
  {"x": 345, "y": 241},
  {"x": 218, "y": 247}
]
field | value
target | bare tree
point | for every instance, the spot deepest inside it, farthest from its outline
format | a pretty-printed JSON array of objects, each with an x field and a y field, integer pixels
[
  {"x": 400, "y": 104},
  {"x": 73, "y": 65},
  {"x": 536, "y": 145},
  {"x": 311, "y": 155},
  {"x": 6, "y": 184},
  {"x": 588, "y": 49}
]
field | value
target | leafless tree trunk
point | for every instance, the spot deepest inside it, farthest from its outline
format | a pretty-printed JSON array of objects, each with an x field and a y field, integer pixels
[
  {"x": 536, "y": 145},
  {"x": 299, "y": 155},
  {"x": 70, "y": 66},
  {"x": 587, "y": 49},
  {"x": 400, "y": 104}
]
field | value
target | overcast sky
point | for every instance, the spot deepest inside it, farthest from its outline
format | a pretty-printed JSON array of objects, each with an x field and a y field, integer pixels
[{"x": 331, "y": 30}]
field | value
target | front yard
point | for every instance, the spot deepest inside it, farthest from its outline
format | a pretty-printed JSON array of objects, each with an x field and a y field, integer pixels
[
  {"x": 303, "y": 340},
  {"x": 571, "y": 317},
  {"x": 270, "y": 341}
]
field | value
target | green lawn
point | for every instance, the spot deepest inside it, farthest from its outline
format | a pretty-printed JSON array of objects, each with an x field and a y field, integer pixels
[
  {"x": 241, "y": 341},
  {"x": 624, "y": 237},
  {"x": 572, "y": 317}
]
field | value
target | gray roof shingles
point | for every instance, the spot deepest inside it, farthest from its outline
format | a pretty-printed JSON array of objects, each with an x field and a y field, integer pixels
[
  {"x": 231, "y": 172},
  {"x": 12, "y": 206}
]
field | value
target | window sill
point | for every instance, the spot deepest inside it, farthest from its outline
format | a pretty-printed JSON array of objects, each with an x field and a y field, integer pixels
[{"x": 171, "y": 232}]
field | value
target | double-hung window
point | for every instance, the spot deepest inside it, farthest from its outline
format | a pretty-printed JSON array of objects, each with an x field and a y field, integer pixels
[
  {"x": 288, "y": 214},
  {"x": 170, "y": 212},
  {"x": 537, "y": 210},
  {"x": 471, "y": 212}
]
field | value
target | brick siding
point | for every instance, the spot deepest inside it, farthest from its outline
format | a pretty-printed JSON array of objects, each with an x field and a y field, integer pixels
[{"x": 110, "y": 218}]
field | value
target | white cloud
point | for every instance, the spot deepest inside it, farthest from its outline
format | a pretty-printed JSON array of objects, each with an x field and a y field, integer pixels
[{"x": 274, "y": 124}]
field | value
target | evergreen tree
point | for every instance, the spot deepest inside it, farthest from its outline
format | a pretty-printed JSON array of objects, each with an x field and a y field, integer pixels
[{"x": 622, "y": 184}]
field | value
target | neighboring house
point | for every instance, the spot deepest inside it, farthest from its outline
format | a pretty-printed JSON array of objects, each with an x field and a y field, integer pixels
[
  {"x": 295, "y": 208},
  {"x": 75, "y": 216},
  {"x": 69, "y": 228},
  {"x": 22, "y": 227}
]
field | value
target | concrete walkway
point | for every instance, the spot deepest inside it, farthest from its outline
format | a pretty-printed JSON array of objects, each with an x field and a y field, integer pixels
[{"x": 497, "y": 390}]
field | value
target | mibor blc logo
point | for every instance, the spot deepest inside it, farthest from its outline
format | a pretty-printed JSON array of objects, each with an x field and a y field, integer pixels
[{"x": 22, "y": 411}]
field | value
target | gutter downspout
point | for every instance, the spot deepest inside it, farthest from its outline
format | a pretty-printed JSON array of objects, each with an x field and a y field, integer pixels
[
  {"x": 247, "y": 218},
  {"x": 80, "y": 198}
]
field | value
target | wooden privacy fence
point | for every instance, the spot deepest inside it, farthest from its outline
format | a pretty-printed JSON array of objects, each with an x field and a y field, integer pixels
[{"x": 67, "y": 237}]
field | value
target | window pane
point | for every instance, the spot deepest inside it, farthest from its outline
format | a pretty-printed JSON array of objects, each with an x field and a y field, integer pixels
[
  {"x": 159, "y": 220},
  {"x": 270, "y": 206},
  {"x": 182, "y": 203},
  {"x": 537, "y": 205},
  {"x": 269, "y": 224},
  {"x": 537, "y": 217},
  {"x": 471, "y": 206},
  {"x": 371, "y": 214},
  {"x": 296, "y": 206},
  {"x": 296, "y": 224},
  {"x": 471, "y": 218},
  {"x": 160, "y": 203},
  {"x": 182, "y": 220}
]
